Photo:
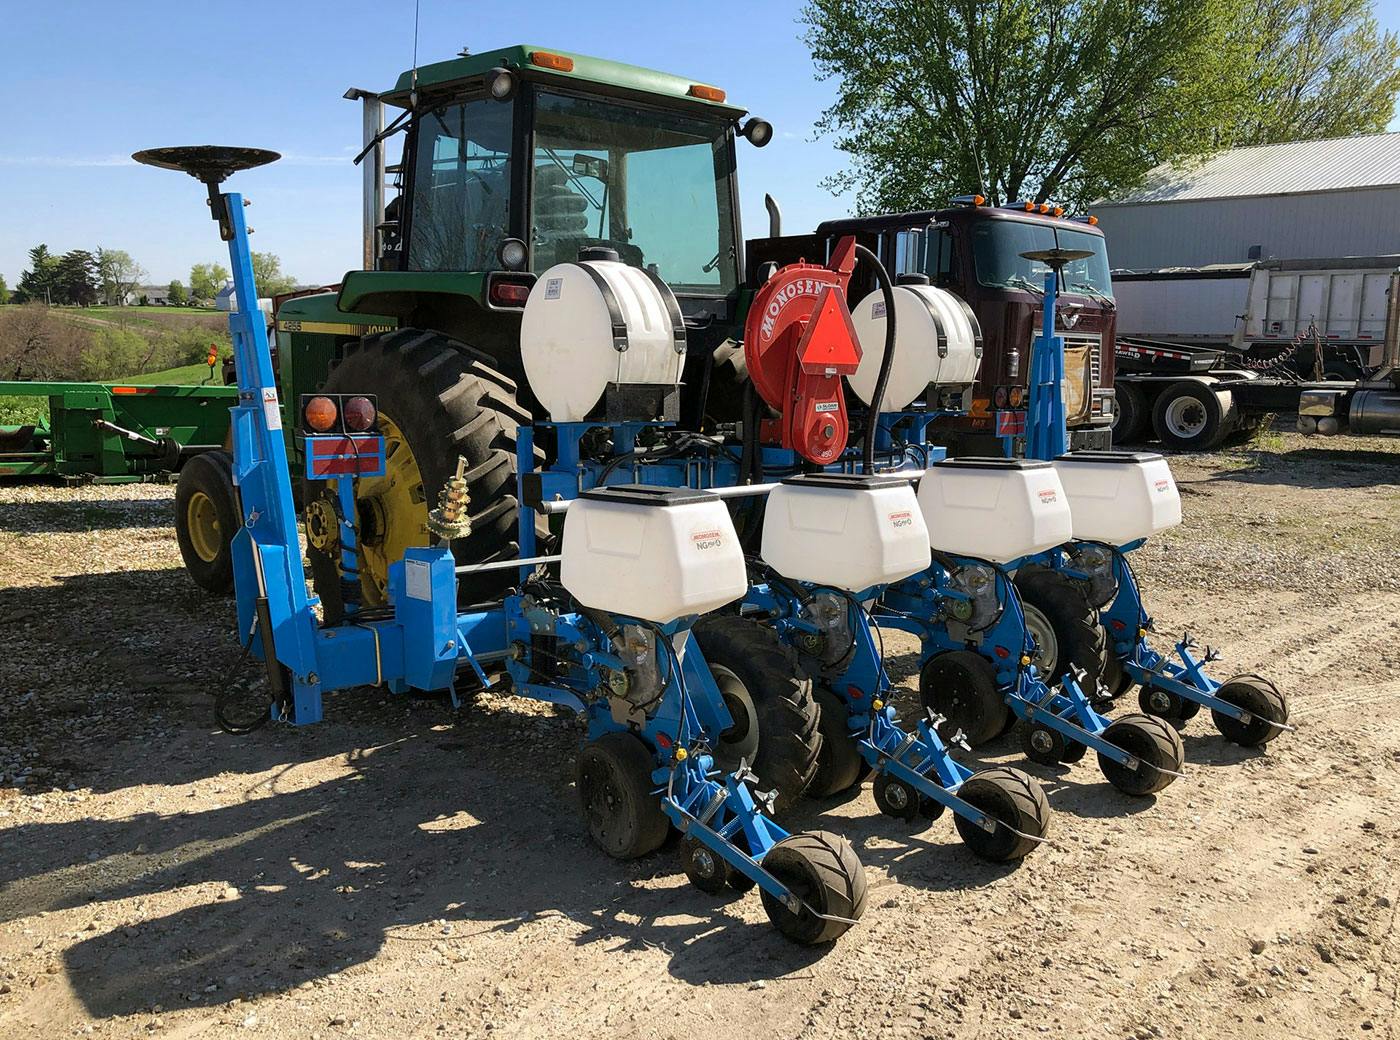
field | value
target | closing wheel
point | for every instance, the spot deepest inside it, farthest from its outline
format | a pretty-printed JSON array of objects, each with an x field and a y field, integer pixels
[
  {"x": 1043, "y": 745},
  {"x": 1261, "y": 699},
  {"x": 895, "y": 798},
  {"x": 1015, "y": 800},
  {"x": 822, "y": 870},
  {"x": 1065, "y": 627},
  {"x": 1165, "y": 704},
  {"x": 839, "y": 763},
  {"x": 1156, "y": 746},
  {"x": 1190, "y": 416},
  {"x": 707, "y": 869},
  {"x": 776, "y": 720},
  {"x": 961, "y": 685},
  {"x": 439, "y": 400},
  {"x": 623, "y": 816},
  {"x": 206, "y": 518}
]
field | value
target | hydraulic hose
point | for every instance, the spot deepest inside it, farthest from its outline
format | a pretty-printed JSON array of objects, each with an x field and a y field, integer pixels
[{"x": 886, "y": 363}]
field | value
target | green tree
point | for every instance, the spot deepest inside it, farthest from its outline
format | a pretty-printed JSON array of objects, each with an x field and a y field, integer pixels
[
  {"x": 118, "y": 274},
  {"x": 206, "y": 280},
  {"x": 1318, "y": 68},
  {"x": 38, "y": 283},
  {"x": 176, "y": 294},
  {"x": 1073, "y": 99},
  {"x": 267, "y": 274},
  {"x": 75, "y": 278},
  {"x": 4, "y": 291}
]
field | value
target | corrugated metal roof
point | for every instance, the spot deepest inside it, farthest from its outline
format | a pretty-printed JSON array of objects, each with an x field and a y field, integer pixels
[{"x": 1371, "y": 161}]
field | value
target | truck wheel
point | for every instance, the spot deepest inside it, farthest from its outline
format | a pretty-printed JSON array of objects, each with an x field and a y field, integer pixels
[
  {"x": 1192, "y": 417},
  {"x": 1066, "y": 629},
  {"x": 776, "y": 720},
  {"x": 1336, "y": 370},
  {"x": 206, "y": 518},
  {"x": 438, "y": 399},
  {"x": 1130, "y": 415}
]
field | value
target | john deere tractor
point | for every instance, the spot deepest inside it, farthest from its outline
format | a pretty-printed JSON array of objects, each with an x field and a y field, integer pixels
[{"x": 512, "y": 161}]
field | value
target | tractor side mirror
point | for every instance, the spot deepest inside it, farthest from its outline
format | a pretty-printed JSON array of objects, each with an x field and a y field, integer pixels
[{"x": 590, "y": 166}]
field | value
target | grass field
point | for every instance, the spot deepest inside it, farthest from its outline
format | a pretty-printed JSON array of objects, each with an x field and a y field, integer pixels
[{"x": 190, "y": 375}]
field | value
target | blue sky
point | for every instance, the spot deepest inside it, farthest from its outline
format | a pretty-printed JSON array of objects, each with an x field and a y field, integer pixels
[{"x": 85, "y": 87}]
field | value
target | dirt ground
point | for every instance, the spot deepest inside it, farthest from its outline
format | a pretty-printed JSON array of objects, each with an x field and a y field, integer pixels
[{"x": 401, "y": 871}]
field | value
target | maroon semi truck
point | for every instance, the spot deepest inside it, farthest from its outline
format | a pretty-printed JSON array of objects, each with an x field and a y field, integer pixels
[{"x": 975, "y": 251}]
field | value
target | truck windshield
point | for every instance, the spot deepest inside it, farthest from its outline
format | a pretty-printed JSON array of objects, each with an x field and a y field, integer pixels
[
  {"x": 653, "y": 185},
  {"x": 997, "y": 246}
]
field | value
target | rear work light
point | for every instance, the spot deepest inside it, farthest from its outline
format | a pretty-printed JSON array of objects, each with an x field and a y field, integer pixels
[{"x": 550, "y": 60}]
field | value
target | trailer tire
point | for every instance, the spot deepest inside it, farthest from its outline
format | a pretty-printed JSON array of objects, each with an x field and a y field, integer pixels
[
  {"x": 438, "y": 399},
  {"x": 206, "y": 519},
  {"x": 1190, "y": 416},
  {"x": 1130, "y": 416},
  {"x": 775, "y": 715},
  {"x": 1080, "y": 640}
]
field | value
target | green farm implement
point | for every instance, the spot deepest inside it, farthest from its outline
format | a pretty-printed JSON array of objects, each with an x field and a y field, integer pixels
[{"x": 113, "y": 432}]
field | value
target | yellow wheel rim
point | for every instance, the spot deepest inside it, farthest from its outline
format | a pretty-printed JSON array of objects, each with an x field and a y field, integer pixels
[
  {"x": 202, "y": 523},
  {"x": 393, "y": 513}
]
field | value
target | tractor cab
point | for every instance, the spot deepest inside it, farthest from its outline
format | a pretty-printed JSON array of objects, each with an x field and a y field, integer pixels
[{"x": 518, "y": 159}]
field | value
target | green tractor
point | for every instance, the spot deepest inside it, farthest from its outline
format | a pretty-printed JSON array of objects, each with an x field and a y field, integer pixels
[{"x": 513, "y": 160}]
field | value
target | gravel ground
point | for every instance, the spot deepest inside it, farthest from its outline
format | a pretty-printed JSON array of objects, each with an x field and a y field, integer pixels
[{"x": 395, "y": 872}]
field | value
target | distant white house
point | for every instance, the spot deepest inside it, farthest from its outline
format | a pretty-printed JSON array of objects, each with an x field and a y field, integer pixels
[
  {"x": 153, "y": 296},
  {"x": 224, "y": 300}
]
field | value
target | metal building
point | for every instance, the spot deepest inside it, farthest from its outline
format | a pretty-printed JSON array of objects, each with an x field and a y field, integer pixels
[{"x": 1332, "y": 198}]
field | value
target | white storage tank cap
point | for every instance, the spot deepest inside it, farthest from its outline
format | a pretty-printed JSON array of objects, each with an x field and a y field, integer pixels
[
  {"x": 654, "y": 553},
  {"x": 594, "y": 323},
  {"x": 1119, "y": 497},
  {"x": 844, "y": 530},
  {"x": 994, "y": 509},
  {"x": 938, "y": 342}
]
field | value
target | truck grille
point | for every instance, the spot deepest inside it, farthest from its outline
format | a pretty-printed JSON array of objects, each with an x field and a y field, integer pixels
[{"x": 1083, "y": 373}]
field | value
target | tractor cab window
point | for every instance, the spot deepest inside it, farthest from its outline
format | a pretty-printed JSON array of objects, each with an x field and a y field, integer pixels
[
  {"x": 461, "y": 187},
  {"x": 652, "y": 185}
]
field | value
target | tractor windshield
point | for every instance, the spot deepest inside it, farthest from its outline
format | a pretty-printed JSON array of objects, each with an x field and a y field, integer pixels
[
  {"x": 653, "y": 185},
  {"x": 997, "y": 246}
]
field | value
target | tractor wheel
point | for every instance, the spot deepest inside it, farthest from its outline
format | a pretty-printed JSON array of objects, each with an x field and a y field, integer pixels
[
  {"x": 776, "y": 725},
  {"x": 1156, "y": 746},
  {"x": 822, "y": 870},
  {"x": 623, "y": 816},
  {"x": 1065, "y": 628},
  {"x": 438, "y": 399},
  {"x": 1131, "y": 414},
  {"x": 961, "y": 685},
  {"x": 206, "y": 518},
  {"x": 1261, "y": 699},
  {"x": 839, "y": 763},
  {"x": 1015, "y": 800},
  {"x": 1190, "y": 416}
]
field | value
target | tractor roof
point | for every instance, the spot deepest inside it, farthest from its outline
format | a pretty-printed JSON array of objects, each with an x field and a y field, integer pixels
[{"x": 584, "y": 70}]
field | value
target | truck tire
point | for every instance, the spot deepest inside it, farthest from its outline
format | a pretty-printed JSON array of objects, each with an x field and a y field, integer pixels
[
  {"x": 206, "y": 518},
  {"x": 1190, "y": 416},
  {"x": 1130, "y": 415},
  {"x": 438, "y": 399}
]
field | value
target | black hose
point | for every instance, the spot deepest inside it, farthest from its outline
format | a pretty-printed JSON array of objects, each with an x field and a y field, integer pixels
[{"x": 886, "y": 363}]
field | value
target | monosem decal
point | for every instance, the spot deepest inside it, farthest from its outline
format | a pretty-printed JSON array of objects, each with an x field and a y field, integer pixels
[
  {"x": 707, "y": 539},
  {"x": 1048, "y": 496},
  {"x": 901, "y": 518}
]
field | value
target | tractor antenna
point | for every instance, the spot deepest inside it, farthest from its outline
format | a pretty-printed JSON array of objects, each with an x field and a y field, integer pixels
[{"x": 413, "y": 80}]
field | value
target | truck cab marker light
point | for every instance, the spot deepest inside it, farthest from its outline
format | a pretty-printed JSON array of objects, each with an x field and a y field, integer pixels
[
  {"x": 706, "y": 93},
  {"x": 550, "y": 60}
]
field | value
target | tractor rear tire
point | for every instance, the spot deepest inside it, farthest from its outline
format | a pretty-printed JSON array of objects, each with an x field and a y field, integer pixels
[
  {"x": 206, "y": 519},
  {"x": 839, "y": 763},
  {"x": 961, "y": 685},
  {"x": 1064, "y": 612},
  {"x": 1016, "y": 801},
  {"x": 824, "y": 872},
  {"x": 623, "y": 816},
  {"x": 776, "y": 719},
  {"x": 441, "y": 399}
]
